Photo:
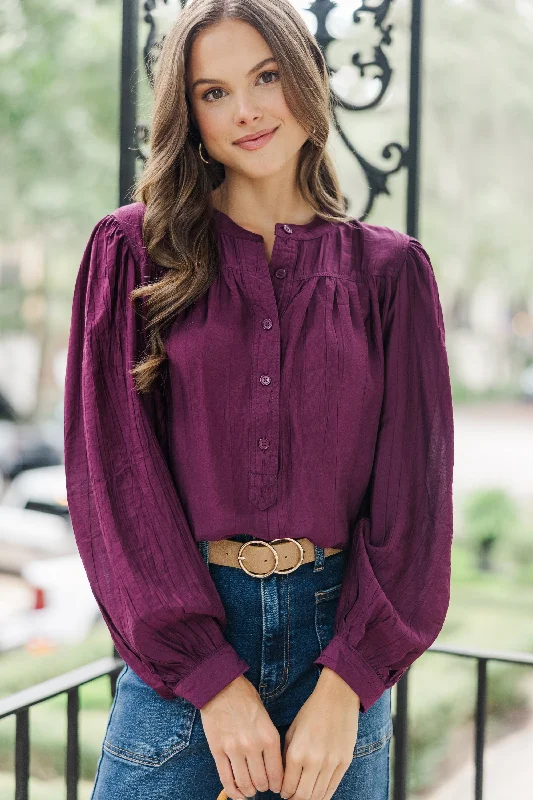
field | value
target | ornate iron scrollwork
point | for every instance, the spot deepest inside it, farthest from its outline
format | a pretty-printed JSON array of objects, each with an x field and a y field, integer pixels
[{"x": 377, "y": 178}]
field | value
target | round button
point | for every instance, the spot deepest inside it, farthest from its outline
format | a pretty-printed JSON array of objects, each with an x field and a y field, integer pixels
[
  {"x": 287, "y": 228},
  {"x": 267, "y": 324},
  {"x": 280, "y": 273},
  {"x": 264, "y": 443},
  {"x": 265, "y": 380}
]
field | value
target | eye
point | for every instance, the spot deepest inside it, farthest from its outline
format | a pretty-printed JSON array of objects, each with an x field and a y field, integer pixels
[
  {"x": 267, "y": 72},
  {"x": 270, "y": 72}
]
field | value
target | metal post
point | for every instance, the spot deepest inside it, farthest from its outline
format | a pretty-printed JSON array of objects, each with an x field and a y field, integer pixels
[
  {"x": 415, "y": 110},
  {"x": 128, "y": 100},
  {"x": 128, "y": 110},
  {"x": 481, "y": 722},
  {"x": 401, "y": 739}
]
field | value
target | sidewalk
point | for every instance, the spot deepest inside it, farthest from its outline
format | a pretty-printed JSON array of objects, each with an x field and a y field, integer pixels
[
  {"x": 507, "y": 767},
  {"x": 494, "y": 447}
]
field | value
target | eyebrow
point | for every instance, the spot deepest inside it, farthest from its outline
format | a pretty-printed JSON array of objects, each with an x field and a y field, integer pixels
[{"x": 217, "y": 80}]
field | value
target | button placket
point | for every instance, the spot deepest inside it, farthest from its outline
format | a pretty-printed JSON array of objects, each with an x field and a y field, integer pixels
[
  {"x": 266, "y": 368},
  {"x": 265, "y": 372},
  {"x": 281, "y": 270}
]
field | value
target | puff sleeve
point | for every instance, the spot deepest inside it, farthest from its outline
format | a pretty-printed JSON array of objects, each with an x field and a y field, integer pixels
[
  {"x": 147, "y": 575},
  {"x": 396, "y": 587}
]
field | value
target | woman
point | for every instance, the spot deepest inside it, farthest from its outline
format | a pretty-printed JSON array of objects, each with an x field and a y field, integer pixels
[{"x": 259, "y": 466}]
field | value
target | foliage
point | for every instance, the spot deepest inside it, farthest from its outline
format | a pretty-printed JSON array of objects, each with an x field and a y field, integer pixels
[
  {"x": 488, "y": 513},
  {"x": 59, "y": 106}
]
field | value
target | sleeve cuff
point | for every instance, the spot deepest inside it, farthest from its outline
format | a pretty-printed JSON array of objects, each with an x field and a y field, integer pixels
[
  {"x": 211, "y": 676},
  {"x": 358, "y": 674}
]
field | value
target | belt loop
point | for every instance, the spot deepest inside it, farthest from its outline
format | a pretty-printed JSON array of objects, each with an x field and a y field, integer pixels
[
  {"x": 319, "y": 558},
  {"x": 203, "y": 547}
]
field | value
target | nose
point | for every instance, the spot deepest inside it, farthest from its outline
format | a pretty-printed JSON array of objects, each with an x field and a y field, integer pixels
[{"x": 246, "y": 109}]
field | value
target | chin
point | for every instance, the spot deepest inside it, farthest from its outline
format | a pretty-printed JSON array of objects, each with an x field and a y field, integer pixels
[{"x": 261, "y": 174}]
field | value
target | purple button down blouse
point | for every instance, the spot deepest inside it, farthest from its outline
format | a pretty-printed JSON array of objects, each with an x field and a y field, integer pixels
[{"x": 306, "y": 397}]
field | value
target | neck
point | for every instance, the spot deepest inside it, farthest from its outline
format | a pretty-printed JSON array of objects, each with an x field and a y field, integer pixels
[{"x": 255, "y": 212}]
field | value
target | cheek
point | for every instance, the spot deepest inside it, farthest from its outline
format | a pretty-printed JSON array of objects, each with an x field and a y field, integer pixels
[
  {"x": 280, "y": 110},
  {"x": 212, "y": 124}
]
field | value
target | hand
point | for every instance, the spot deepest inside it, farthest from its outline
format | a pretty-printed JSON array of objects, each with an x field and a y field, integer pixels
[
  {"x": 244, "y": 741},
  {"x": 320, "y": 742}
]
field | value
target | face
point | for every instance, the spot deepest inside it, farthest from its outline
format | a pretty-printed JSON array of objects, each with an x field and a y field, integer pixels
[{"x": 240, "y": 98}]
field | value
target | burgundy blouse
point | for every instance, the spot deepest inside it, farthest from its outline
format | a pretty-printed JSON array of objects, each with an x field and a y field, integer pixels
[{"x": 306, "y": 397}]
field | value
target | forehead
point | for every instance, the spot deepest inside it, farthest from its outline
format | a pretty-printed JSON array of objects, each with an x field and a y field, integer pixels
[{"x": 229, "y": 47}]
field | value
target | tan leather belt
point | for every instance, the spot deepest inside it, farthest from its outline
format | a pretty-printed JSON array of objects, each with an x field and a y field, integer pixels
[{"x": 260, "y": 559}]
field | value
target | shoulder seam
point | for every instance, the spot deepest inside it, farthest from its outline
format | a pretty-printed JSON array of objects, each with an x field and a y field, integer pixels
[
  {"x": 392, "y": 268},
  {"x": 150, "y": 271},
  {"x": 405, "y": 241},
  {"x": 141, "y": 262}
]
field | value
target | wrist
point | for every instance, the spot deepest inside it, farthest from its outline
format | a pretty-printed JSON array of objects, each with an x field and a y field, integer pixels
[{"x": 331, "y": 679}]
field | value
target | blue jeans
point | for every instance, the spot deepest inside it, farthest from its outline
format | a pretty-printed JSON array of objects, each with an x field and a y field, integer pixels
[{"x": 156, "y": 749}]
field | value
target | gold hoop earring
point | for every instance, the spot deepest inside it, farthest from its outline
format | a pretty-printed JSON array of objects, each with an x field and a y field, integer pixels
[{"x": 201, "y": 156}]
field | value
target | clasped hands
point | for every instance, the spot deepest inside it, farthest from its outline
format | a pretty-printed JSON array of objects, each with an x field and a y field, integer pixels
[
  {"x": 318, "y": 745},
  {"x": 320, "y": 742}
]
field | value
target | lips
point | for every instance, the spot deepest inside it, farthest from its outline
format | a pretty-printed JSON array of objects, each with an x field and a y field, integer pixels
[{"x": 254, "y": 136}]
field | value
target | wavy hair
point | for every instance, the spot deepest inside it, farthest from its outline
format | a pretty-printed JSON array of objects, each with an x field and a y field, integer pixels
[{"x": 175, "y": 185}]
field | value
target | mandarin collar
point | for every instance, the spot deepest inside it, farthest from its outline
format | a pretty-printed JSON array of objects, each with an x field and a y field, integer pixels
[{"x": 311, "y": 230}]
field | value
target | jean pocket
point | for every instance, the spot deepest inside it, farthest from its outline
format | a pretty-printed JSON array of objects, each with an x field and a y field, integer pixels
[
  {"x": 326, "y": 601},
  {"x": 145, "y": 728},
  {"x": 375, "y": 727}
]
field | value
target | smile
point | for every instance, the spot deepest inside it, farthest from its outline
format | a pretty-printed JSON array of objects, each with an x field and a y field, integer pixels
[{"x": 255, "y": 144}]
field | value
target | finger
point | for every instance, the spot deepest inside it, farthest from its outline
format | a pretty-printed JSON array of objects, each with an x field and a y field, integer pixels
[
  {"x": 293, "y": 770},
  {"x": 322, "y": 784},
  {"x": 256, "y": 768},
  {"x": 308, "y": 778},
  {"x": 336, "y": 778},
  {"x": 225, "y": 773},
  {"x": 274, "y": 766},
  {"x": 242, "y": 775}
]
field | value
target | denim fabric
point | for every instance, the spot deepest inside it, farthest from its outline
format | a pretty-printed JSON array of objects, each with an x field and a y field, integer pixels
[{"x": 156, "y": 748}]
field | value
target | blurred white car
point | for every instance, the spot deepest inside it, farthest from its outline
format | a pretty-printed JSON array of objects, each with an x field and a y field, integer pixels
[
  {"x": 58, "y": 608},
  {"x": 39, "y": 489},
  {"x": 26, "y": 535},
  {"x": 44, "y": 592}
]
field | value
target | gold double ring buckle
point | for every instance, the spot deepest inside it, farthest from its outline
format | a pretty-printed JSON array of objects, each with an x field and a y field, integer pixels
[{"x": 241, "y": 558}]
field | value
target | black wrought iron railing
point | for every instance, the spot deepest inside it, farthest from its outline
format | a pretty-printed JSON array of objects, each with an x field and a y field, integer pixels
[
  {"x": 400, "y": 718},
  {"x": 20, "y": 704},
  {"x": 132, "y": 135}
]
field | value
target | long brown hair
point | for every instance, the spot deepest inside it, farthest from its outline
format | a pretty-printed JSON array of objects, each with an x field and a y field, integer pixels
[{"x": 175, "y": 185}]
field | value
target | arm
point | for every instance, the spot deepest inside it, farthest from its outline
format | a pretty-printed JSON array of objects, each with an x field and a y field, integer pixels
[
  {"x": 396, "y": 588},
  {"x": 147, "y": 575}
]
